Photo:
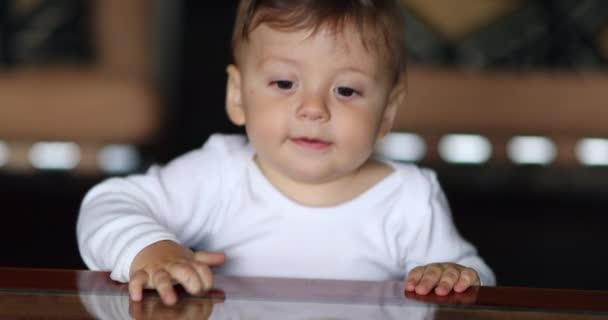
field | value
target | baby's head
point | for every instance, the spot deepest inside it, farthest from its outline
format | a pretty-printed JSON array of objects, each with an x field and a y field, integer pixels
[
  {"x": 378, "y": 23},
  {"x": 315, "y": 83}
]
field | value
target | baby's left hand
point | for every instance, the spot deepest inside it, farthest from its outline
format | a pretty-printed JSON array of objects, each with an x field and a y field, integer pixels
[{"x": 443, "y": 277}]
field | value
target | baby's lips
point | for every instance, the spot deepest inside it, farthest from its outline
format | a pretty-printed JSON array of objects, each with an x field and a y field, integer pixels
[{"x": 311, "y": 142}]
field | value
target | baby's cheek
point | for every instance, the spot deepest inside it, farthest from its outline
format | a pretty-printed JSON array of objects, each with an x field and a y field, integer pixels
[
  {"x": 363, "y": 138},
  {"x": 264, "y": 126}
]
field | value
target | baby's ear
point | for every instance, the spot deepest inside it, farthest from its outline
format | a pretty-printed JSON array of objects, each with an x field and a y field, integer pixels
[
  {"x": 395, "y": 100},
  {"x": 234, "y": 101}
]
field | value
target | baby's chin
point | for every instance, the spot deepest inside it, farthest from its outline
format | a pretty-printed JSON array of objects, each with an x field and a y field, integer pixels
[{"x": 310, "y": 175}]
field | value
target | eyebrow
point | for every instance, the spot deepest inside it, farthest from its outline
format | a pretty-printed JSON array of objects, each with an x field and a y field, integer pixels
[
  {"x": 360, "y": 71},
  {"x": 268, "y": 59},
  {"x": 273, "y": 59}
]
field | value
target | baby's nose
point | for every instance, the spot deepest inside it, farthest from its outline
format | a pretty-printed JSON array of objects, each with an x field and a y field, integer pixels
[{"x": 314, "y": 109}]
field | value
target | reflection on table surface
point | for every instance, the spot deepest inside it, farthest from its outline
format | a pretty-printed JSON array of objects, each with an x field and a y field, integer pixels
[
  {"x": 71, "y": 294},
  {"x": 113, "y": 307}
]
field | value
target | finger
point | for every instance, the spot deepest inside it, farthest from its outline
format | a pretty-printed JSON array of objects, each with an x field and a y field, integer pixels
[
  {"x": 205, "y": 275},
  {"x": 186, "y": 275},
  {"x": 468, "y": 277},
  {"x": 161, "y": 280},
  {"x": 212, "y": 259},
  {"x": 413, "y": 278},
  {"x": 432, "y": 274},
  {"x": 448, "y": 278},
  {"x": 137, "y": 283}
]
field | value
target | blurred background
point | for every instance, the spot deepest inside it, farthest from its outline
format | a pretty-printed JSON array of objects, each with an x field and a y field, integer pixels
[{"x": 507, "y": 102}]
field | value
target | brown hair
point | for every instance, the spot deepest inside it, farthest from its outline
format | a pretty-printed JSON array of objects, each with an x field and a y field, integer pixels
[{"x": 380, "y": 22}]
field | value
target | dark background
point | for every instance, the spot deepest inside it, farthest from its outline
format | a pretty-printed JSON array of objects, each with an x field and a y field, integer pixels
[{"x": 535, "y": 226}]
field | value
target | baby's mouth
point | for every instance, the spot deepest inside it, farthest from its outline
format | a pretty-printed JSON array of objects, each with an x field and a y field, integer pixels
[{"x": 311, "y": 143}]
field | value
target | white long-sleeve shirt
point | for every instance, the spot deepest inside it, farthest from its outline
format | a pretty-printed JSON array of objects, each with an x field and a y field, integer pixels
[{"x": 216, "y": 199}]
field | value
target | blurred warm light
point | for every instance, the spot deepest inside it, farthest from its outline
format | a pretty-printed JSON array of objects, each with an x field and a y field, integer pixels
[
  {"x": 472, "y": 14},
  {"x": 603, "y": 41},
  {"x": 531, "y": 150},
  {"x": 465, "y": 148},
  {"x": 592, "y": 151},
  {"x": 4, "y": 153},
  {"x": 55, "y": 155},
  {"x": 401, "y": 146},
  {"x": 118, "y": 158}
]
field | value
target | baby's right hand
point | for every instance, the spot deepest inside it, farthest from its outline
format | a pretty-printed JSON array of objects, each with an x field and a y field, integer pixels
[{"x": 163, "y": 264}]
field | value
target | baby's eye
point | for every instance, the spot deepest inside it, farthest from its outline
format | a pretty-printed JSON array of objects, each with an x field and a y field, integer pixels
[
  {"x": 283, "y": 84},
  {"x": 346, "y": 91}
]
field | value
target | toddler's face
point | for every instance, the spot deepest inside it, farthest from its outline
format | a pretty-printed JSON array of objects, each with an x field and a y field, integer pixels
[{"x": 313, "y": 104}]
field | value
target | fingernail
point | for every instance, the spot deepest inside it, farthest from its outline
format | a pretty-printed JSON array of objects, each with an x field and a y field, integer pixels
[{"x": 441, "y": 291}]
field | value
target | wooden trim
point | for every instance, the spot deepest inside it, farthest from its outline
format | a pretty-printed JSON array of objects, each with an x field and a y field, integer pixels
[
  {"x": 76, "y": 105},
  {"x": 505, "y": 103}
]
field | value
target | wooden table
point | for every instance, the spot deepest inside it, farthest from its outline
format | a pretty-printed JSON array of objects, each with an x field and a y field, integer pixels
[{"x": 75, "y": 294}]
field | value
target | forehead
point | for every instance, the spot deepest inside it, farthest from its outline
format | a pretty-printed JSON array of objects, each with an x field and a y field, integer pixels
[{"x": 346, "y": 43}]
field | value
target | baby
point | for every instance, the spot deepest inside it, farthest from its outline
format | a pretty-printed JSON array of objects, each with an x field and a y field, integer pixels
[{"x": 315, "y": 83}]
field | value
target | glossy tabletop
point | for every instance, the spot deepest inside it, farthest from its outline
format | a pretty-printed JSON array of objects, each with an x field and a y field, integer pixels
[{"x": 75, "y": 294}]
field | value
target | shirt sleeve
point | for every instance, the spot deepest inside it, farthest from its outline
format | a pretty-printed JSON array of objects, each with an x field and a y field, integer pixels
[
  {"x": 121, "y": 216},
  {"x": 436, "y": 238}
]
